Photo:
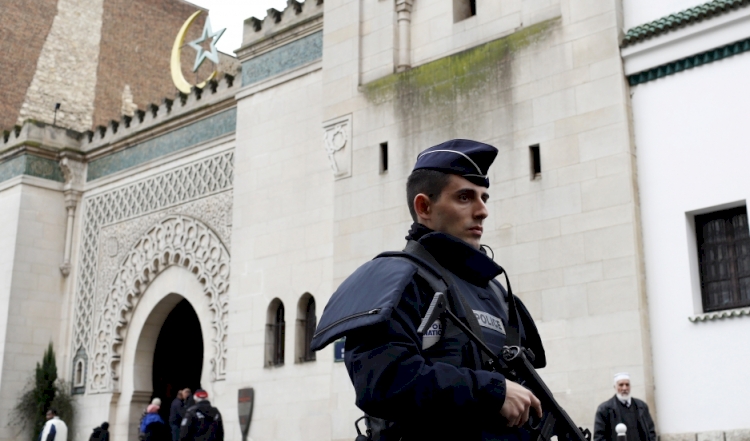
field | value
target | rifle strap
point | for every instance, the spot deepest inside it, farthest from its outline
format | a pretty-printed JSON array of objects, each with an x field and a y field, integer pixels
[
  {"x": 512, "y": 333},
  {"x": 415, "y": 248}
]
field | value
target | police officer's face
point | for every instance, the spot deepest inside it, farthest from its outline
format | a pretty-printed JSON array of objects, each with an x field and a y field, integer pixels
[
  {"x": 459, "y": 211},
  {"x": 623, "y": 387}
]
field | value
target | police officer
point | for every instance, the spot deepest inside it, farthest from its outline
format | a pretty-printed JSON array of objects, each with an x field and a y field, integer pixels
[
  {"x": 437, "y": 386},
  {"x": 202, "y": 422}
]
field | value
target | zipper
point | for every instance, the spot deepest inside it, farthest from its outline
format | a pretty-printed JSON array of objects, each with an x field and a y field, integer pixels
[{"x": 341, "y": 320}]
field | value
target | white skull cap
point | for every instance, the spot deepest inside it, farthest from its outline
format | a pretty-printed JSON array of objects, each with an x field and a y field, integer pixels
[{"x": 621, "y": 376}]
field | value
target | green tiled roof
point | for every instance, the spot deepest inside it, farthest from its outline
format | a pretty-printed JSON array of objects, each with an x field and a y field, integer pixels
[
  {"x": 690, "y": 62},
  {"x": 675, "y": 21}
]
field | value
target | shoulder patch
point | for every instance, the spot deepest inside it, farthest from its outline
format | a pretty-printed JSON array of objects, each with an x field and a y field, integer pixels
[{"x": 365, "y": 298}]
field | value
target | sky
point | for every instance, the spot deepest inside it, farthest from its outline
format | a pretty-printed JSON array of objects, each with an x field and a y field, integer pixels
[{"x": 230, "y": 14}]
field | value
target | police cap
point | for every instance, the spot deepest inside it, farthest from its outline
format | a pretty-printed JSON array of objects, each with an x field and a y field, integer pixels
[{"x": 468, "y": 159}]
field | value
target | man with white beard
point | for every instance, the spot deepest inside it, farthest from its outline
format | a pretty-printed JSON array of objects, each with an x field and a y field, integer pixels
[{"x": 622, "y": 408}]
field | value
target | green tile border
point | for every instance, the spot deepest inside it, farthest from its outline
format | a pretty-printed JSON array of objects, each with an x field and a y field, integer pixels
[
  {"x": 682, "y": 18},
  {"x": 302, "y": 51},
  {"x": 689, "y": 62},
  {"x": 31, "y": 165},
  {"x": 214, "y": 126}
]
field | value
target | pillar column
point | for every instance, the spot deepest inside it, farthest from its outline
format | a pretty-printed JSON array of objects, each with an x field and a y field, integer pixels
[{"x": 403, "y": 11}]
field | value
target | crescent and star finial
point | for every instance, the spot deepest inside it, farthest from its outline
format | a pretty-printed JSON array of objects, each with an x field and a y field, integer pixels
[{"x": 202, "y": 54}]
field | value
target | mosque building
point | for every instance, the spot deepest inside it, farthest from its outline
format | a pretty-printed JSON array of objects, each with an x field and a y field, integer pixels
[{"x": 166, "y": 227}]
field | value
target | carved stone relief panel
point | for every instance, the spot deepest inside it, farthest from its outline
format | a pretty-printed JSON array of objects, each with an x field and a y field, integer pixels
[
  {"x": 113, "y": 220},
  {"x": 337, "y": 142}
]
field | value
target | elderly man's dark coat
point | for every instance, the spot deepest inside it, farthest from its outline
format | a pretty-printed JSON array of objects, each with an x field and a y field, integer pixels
[{"x": 608, "y": 416}]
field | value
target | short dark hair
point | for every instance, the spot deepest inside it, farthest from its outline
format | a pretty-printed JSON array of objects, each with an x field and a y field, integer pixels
[
  {"x": 53, "y": 410},
  {"x": 425, "y": 181}
]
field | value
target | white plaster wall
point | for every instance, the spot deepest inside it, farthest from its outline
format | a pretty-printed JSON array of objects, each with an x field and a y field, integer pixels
[
  {"x": 36, "y": 290},
  {"x": 693, "y": 144},
  {"x": 638, "y": 12},
  {"x": 282, "y": 247}
]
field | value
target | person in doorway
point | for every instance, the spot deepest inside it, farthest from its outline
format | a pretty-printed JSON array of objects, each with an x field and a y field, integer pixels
[
  {"x": 153, "y": 427},
  {"x": 622, "y": 408},
  {"x": 176, "y": 413},
  {"x": 156, "y": 401},
  {"x": 55, "y": 429},
  {"x": 188, "y": 399},
  {"x": 100, "y": 433},
  {"x": 202, "y": 421},
  {"x": 436, "y": 386}
]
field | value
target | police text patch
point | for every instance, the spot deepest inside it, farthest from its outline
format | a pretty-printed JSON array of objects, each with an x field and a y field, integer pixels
[
  {"x": 433, "y": 334},
  {"x": 490, "y": 321}
]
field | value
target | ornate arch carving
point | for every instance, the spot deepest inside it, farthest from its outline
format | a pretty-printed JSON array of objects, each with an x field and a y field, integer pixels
[{"x": 175, "y": 240}]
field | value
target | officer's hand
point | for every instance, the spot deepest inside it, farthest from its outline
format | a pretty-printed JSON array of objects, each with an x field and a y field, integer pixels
[{"x": 518, "y": 401}]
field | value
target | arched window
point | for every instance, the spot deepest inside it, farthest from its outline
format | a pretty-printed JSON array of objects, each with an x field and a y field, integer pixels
[
  {"x": 275, "y": 334},
  {"x": 306, "y": 324},
  {"x": 78, "y": 373}
]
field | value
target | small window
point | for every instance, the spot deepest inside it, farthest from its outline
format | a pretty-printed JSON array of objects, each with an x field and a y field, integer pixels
[
  {"x": 463, "y": 9},
  {"x": 724, "y": 258},
  {"x": 78, "y": 380},
  {"x": 78, "y": 374},
  {"x": 275, "y": 329},
  {"x": 306, "y": 324},
  {"x": 535, "y": 158},
  {"x": 383, "y": 157}
]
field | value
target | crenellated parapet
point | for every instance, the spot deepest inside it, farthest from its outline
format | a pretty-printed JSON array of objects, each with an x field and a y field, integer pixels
[
  {"x": 270, "y": 30},
  {"x": 33, "y": 134},
  {"x": 143, "y": 120},
  {"x": 41, "y": 150}
]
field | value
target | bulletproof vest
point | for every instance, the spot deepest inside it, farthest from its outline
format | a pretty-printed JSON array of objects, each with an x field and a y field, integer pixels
[{"x": 450, "y": 345}]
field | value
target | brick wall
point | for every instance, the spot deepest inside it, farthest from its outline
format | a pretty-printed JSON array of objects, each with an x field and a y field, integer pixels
[
  {"x": 23, "y": 29},
  {"x": 137, "y": 38}
]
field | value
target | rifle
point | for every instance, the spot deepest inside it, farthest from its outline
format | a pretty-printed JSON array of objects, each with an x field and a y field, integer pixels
[{"x": 515, "y": 364}]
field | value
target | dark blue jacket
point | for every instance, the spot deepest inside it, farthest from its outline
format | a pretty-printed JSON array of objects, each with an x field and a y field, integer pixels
[{"x": 440, "y": 392}]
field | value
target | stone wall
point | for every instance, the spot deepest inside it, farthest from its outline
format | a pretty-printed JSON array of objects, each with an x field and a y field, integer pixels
[
  {"x": 35, "y": 302},
  {"x": 84, "y": 55},
  {"x": 551, "y": 75},
  {"x": 283, "y": 220},
  {"x": 23, "y": 31},
  {"x": 66, "y": 68}
]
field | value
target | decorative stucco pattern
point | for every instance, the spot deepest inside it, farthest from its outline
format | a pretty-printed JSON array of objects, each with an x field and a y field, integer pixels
[
  {"x": 193, "y": 181},
  {"x": 204, "y": 130},
  {"x": 282, "y": 59},
  {"x": 176, "y": 240},
  {"x": 30, "y": 165}
]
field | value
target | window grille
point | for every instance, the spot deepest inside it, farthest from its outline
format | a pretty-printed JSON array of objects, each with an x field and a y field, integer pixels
[{"x": 724, "y": 258}]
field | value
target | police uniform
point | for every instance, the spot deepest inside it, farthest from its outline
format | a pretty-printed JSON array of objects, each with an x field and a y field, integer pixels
[
  {"x": 433, "y": 387},
  {"x": 202, "y": 422}
]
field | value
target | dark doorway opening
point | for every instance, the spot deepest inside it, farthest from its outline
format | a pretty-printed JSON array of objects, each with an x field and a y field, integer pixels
[{"x": 178, "y": 357}]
